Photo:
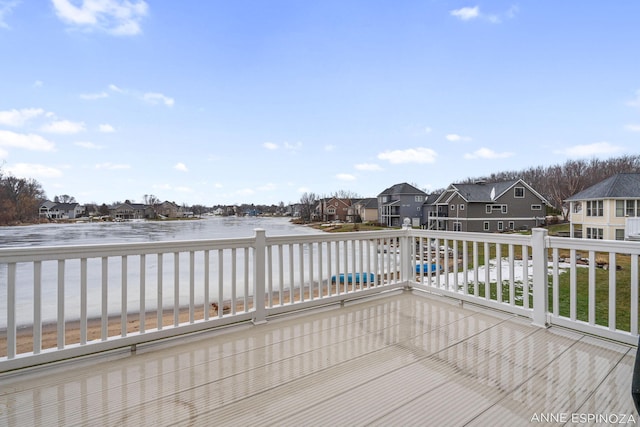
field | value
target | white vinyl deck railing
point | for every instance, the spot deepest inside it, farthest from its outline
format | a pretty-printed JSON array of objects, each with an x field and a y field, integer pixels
[{"x": 64, "y": 302}]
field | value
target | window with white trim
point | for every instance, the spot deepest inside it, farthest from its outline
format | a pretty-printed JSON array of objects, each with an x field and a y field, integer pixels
[
  {"x": 595, "y": 208},
  {"x": 500, "y": 226},
  {"x": 518, "y": 192},
  {"x": 485, "y": 226},
  {"x": 595, "y": 233},
  {"x": 536, "y": 207}
]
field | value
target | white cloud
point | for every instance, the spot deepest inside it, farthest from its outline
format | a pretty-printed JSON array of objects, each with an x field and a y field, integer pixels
[
  {"x": 454, "y": 137},
  {"x": 19, "y": 117},
  {"x": 287, "y": 146},
  {"x": 115, "y": 88},
  {"x": 181, "y": 167},
  {"x": 293, "y": 147},
  {"x": 158, "y": 98},
  {"x": 112, "y": 166},
  {"x": 89, "y": 145},
  {"x": 329, "y": 147},
  {"x": 466, "y": 13},
  {"x": 3, "y": 154},
  {"x": 410, "y": 155},
  {"x": 633, "y": 128},
  {"x": 345, "y": 177},
  {"x": 5, "y": 9},
  {"x": 470, "y": 13},
  {"x": 368, "y": 167},
  {"x": 183, "y": 189},
  {"x": 106, "y": 128},
  {"x": 590, "y": 150},
  {"x": 487, "y": 153},
  {"x": 64, "y": 127},
  {"x": 117, "y": 17},
  {"x": 91, "y": 96},
  {"x": 31, "y": 170},
  {"x": 30, "y": 141}
]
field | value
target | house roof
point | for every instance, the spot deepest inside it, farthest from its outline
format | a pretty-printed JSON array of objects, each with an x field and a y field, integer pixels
[
  {"x": 402, "y": 188},
  {"x": 484, "y": 192},
  {"x": 65, "y": 206},
  {"x": 622, "y": 185},
  {"x": 367, "y": 203}
]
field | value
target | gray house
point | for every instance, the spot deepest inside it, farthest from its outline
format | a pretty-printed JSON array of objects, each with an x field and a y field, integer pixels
[
  {"x": 399, "y": 202},
  {"x": 489, "y": 207}
]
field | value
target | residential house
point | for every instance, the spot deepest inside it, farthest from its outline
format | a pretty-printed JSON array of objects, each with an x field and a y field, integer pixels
[
  {"x": 169, "y": 210},
  {"x": 600, "y": 211},
  {"x": 53, "y": 210},
  {"x": 364, "y": 210},
  {"x": 489, "y": 207},
  {"x": 332, "y": 209},
  {"x": 399, "y": 202},
  {"x": 44, "y": 210},
  {"x": 128, "y": 210}
]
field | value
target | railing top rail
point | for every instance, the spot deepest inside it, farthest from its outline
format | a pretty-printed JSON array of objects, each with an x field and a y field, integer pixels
[
  {"x": 47, "y": 253},
  {"x": 511, "y": 239},
  {"x": 332, "y": 237},
  {"x": 617, "y": 246}
]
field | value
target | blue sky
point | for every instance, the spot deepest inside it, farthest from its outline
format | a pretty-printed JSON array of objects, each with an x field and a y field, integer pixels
[{"x": 222, "y": 102}]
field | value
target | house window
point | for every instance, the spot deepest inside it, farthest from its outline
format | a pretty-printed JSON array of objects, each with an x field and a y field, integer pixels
[
  {"x": 419, "y": 198},
  {"x": 504, "y": 209},
  {"x": 485, "y": 226},
  {"x": 619, "y": 233},
  {"x": 536, "y": 207},
  {"x": 619, "y": 208},
  {"x": 500, "y": 226},
  {"x": 577, "y": 207},
  {"x": 461, "y": 207},
  {"x": 488, "y": 209},
  {"x": 331, "y": 211},
  {"x": 512, "y": 225},
  {"x": 595, "y": 208},
  {"x": 453, "y": 207},
  {"x": 518, "y": 192},
  {"x": 595, "y": 233},
  {"x": 631, "y": 207},
  {"x": 457, "y": 226}
]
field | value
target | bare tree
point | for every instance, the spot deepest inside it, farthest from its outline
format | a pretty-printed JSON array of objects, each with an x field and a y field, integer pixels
[
  {"x": 64, "y": 198},
  {"x": 307, "y": 205}
]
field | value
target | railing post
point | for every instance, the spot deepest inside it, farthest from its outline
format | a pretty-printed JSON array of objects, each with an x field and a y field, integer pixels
[
  {"x": 540, "y": 277},
  {"x": 405, "y": 254},
  {"x": 259, "y": 293}
]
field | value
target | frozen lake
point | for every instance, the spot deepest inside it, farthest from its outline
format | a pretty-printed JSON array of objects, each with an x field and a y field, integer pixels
[
  {"x": 145, "y": 231},
  {"x": 122, "y": 232}
]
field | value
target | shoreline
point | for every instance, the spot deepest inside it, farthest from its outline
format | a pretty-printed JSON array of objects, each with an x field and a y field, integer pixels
[{"x": 24, "y": 334}]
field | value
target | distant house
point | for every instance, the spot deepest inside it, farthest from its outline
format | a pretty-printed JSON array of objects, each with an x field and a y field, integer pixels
[
  {"x": 45, "y": 209},
  {"x": 53, "y": 210},
  {"x": 600, "y": 211},
  {"x": 169, "y": 210},
  {"x": 332, "y": 209},
  {"x": 364, "y": 210},
  {"x": 129, "y": 210},
  {"x": 488, "y": 207},
  {"x": 399, "y": 202}
]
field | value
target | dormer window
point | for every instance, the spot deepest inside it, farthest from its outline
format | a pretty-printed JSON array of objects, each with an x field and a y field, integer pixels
[{"x": 518, "y": 192}]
